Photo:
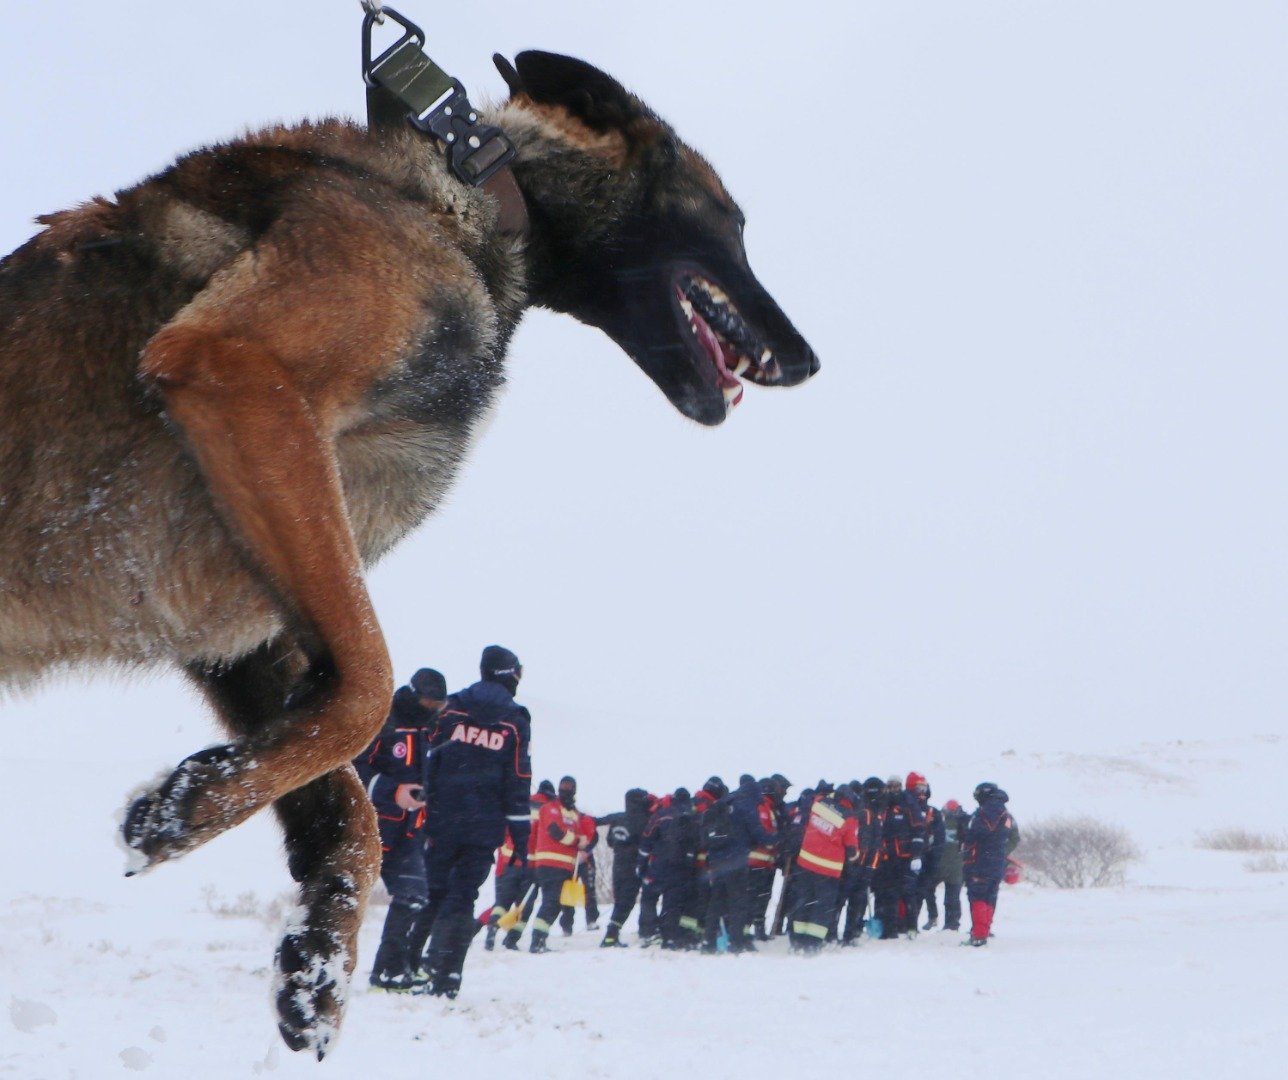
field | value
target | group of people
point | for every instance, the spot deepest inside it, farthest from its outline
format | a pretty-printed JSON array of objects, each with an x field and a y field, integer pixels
[
  {"x": 450, "y": 778},
  {"x": 703, "y": 865}
]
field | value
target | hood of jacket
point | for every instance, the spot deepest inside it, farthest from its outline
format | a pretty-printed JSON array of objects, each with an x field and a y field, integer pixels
[{"x": 486, "y": 702}]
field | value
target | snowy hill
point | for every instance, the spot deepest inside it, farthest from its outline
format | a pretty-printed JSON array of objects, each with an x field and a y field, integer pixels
[{"x": 1177, "y": 974}]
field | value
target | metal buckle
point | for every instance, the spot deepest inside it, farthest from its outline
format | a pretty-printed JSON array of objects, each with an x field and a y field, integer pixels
[{"x": 435, "y": 102}]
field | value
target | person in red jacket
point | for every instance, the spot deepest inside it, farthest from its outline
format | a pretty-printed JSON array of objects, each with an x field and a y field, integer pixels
[
  {"x": 519, "y": 885},
  {"x": 695, "y": 910},
  {"x": 561, "y": 837},
  {"x": 831, "y": 840},
  {"x": 586, "y": 875}
]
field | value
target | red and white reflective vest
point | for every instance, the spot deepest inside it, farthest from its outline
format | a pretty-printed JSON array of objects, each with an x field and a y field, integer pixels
[
  {"x": 761, "y": 857},
  {"x": 830, "y": 839},
  {"x": 569, "y": 825}
]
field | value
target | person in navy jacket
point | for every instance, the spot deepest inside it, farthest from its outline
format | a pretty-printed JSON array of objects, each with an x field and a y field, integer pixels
[
  {"x": 625, "y": 831},
  {"x": 728, "y": 839},
  {"x": 392, "y": 770},
  {"x": 668, "y": 852},
  {"x": 984, "y": 850},
  {"x": 478, "y": 779}
]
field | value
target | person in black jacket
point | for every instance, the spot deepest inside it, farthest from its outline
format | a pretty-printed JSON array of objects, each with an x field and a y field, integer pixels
[
  {"x": 984, "y": 858},
  {"x": 392, "y": 771},
  {"x": 625, "y": 829},
  {"x": 896, "y": 876},
  {"x": 478, "y": 779},
  {"x": 730, "y": 828},
  {"x": 793, "y": 832},
  {"x": 667, "y": 853}
]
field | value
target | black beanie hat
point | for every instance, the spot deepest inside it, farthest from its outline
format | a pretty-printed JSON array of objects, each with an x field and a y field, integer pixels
[
  {"x": 430, "y": 683},
  {"x": 498, "y": 663},
  {"x": 546, "y": 788}
]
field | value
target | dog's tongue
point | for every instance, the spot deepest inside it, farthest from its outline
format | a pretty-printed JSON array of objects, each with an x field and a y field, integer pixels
[{"x": 725, "y": 378}]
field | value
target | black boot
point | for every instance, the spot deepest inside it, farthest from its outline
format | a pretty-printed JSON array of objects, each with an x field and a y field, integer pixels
[
  {"x": 538, "y": 944},
  {"x": 418, "y": 939},
  {"x": 392, "y": 967},
  {"x": 611, "y": 939},
  {"x": 450, "y": 943}
]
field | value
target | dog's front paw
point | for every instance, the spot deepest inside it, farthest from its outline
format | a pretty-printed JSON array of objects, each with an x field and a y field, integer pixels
[
  {"x": 312, "y": 987},
  {"x": 165, "y": 822}
]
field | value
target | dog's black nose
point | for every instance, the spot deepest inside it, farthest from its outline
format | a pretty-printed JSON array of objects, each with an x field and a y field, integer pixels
[{"x": 814, "y": 365}]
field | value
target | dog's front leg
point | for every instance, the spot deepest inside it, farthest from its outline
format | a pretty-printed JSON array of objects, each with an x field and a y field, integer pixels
[{"x": 332, "y": 846}]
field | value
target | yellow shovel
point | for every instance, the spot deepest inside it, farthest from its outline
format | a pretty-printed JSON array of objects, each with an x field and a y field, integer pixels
[
  {"x": 572, "y": 893},
  {"x": 510, "y": 919}
]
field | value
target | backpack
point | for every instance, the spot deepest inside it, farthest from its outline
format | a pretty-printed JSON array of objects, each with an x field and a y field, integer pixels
[{"x": 716, "y": 825}]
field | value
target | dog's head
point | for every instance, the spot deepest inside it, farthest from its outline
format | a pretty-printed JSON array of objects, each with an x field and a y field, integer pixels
[{"x": 638, "y": 236}]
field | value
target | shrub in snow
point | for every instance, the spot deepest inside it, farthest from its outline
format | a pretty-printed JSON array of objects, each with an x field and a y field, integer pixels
[
  {"x": 1237, "y": 839},
  {"x": 1076, "y": 852},
  {"x": 247, "y": 906},
  {"x": 1267, "y": 864}
]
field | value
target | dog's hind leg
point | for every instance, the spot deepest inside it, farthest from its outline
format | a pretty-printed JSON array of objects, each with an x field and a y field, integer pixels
[{"x": 332, "y": 845}]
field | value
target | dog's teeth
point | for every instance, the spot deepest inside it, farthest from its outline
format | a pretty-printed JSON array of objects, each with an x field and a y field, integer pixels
[
  {"x": 743, "y": 365},
  {"x": 766, "y": 357},
  {"x": 732, "y": 394},
  {"x": 687, "y": 308}
]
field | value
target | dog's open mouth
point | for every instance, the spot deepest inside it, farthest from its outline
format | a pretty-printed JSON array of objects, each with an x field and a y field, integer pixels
[{"x": 723, "y": 337}]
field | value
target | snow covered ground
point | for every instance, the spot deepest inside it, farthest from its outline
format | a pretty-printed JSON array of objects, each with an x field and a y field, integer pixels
[{"x": 1178, "y": 974}]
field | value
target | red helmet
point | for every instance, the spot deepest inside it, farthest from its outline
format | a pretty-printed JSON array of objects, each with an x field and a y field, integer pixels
[
  {"x": 914, "y": 778},
  {"x": 952, "y": 804}
]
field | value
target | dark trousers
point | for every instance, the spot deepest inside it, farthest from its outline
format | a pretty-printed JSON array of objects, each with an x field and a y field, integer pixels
[
  {"x": 695, "y": 912},
  {"x": 586, "y": 874},
  {"x": 626, "y": 886},
  {"x": 454, "y": 873},
  {"x": 402, "y": 869},
  {"x": 952, "y": 903},
  {"x": 676, "y": 885},
  {"x": 550, "y": 880},
  {"x": 912, "y": 894},
  {"x": 856, "y": 884},
  {"x": 650, "y": 894},
  {"x": 887, "y": 889},
  {"x": 983, "y": 888},
  {"x": 728, "y": 904},
  {"x": 815, "y": 904},
  {"x": 760, "y": 887},
  {"x": 511, "y": 887}
]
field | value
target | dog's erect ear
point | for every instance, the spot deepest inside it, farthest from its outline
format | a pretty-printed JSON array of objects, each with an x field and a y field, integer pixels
[
  {"x": 508, "y": 73},
  {"x": 597, "y": 99}
]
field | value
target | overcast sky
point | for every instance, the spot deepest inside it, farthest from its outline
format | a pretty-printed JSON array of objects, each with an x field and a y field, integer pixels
[{"x": 1036, "y": 497}]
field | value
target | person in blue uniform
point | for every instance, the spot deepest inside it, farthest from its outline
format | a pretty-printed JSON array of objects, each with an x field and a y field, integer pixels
[
  {"x": 392, "y": 771},
  {"x": 478, "y": 780}
]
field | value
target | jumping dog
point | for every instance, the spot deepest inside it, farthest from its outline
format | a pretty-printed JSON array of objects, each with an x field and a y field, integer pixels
[{"x": 229, "y": 389}]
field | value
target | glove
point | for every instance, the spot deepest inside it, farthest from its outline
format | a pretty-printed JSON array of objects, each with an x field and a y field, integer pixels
[{"x": 915, "y": 865}]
